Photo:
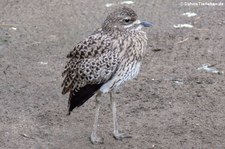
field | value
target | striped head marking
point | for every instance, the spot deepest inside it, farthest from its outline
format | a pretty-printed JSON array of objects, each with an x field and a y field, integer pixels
[{"x": 124, "y": 19}]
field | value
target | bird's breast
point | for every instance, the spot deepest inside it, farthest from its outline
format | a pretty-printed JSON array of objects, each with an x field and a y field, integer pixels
[
  {"x": 132, "y": 45},
  {"x": 124, "y": 73},
  {"x": 130, "y": 49}
]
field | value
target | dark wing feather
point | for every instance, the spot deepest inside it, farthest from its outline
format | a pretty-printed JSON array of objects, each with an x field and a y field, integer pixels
[
  {"x": 92, "y": 63},
  {"x": 78, "y": 98}
]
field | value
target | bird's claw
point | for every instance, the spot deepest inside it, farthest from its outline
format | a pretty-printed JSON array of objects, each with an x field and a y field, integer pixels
[
  {"x": 120, "y": 136},
  {"x": 96, "y": 140}
]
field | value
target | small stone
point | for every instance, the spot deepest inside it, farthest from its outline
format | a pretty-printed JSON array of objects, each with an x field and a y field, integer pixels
[
  {"x": 196, "y": 38},
  {"x": 157, "y": 50}
]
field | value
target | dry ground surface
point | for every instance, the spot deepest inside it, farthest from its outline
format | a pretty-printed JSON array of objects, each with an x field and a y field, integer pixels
[{"x": 170, "y": 105}]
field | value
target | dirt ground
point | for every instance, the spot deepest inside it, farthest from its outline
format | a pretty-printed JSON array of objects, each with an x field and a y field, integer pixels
[{"x": 173, "y": 103}]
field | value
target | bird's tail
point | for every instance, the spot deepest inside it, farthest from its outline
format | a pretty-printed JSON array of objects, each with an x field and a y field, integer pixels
[{"x": 77, "y": 98}]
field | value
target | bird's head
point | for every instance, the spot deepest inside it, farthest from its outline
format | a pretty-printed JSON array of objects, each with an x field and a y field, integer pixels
[{"x": 124, "y": 19}]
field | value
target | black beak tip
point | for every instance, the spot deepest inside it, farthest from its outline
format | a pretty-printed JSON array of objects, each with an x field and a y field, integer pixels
[{"x": 146, "y": 24}]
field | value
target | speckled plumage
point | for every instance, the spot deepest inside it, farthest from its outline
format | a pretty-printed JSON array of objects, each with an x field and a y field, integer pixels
[
  {"x": 96, "y": 59},
  {"x": 106, "y": 59}
]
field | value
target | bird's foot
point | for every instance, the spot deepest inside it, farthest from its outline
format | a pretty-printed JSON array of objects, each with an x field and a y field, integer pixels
[
  {"x": 120, "y": 136},
  {"x": 96, "y": 140}
]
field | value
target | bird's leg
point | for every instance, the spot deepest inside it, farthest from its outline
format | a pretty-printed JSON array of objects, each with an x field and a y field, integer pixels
[
  {"x": 116, "y": 134},
  {"x": 94, "y": 138}
]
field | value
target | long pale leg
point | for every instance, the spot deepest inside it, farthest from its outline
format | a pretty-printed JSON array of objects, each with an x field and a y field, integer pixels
[
  {"x": 94, "y": 138},
  {"x": 116, "y": 134}
]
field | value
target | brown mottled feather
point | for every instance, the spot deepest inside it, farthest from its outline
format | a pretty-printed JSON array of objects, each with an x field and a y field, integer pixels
[
  {"x": 111, "y": 55},
  {"x": 90, "y": 62}
]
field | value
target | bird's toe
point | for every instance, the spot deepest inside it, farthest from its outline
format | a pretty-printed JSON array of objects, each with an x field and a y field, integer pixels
[
  {"x": 96, "y": 140},
  {"x": 120, "y": 136}
]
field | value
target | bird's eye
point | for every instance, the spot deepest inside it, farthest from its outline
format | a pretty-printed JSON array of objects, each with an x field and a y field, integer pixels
[{"x": 126, "y": 20}]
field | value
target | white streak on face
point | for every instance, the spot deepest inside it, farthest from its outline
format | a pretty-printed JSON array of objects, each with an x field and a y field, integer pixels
[
  {"x": 134, "y": 23},
  {"x": 137, "y": 22},
  {"x": 139, "y": 27}
]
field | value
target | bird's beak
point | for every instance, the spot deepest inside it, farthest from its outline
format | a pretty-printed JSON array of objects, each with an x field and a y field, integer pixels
[
  {"x": 146, "y": 24},
  {"x": 140, "y": 24}
]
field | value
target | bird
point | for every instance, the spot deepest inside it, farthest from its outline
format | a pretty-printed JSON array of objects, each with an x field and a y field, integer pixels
[{"x": 104, "y": 61}]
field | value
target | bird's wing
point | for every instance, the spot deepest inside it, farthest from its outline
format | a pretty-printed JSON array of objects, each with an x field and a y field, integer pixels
[
  {"x": 94, "y": 45},
  {"x": 93, "y": 61}
]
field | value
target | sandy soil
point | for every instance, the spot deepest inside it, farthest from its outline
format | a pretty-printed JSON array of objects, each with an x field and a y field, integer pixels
[{"x": 172, "y": 104}]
